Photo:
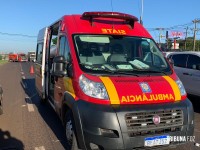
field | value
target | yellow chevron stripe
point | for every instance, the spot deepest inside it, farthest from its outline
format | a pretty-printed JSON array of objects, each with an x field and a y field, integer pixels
[
  {"x": 112, "y": 92},
  {"x": 69, "y": 86},
  {"x": 174, "y": 86}
]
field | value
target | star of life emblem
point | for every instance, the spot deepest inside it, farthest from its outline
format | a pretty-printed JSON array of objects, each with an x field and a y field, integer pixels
[{"x": 145, "y": 87}]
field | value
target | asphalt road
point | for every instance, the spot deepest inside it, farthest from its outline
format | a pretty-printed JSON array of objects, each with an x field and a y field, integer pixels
[
  {"x": 26, "y": 124},
  {"x": 29, "y": 125}
]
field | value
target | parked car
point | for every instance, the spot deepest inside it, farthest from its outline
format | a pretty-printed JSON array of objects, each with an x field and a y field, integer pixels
[
  {"x": 187, "y": 67},
  {"x": 1, "y": 100}
]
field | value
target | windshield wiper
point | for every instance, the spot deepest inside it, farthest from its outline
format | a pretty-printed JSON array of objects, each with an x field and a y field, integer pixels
[
  {"x": 116, "y": 72},
  {"x": 113, "y": 71},
  {"x": 153, "y": 71}
]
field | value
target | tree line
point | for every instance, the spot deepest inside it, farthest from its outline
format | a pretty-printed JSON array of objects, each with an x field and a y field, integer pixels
[{"x": 188, "y": 46}]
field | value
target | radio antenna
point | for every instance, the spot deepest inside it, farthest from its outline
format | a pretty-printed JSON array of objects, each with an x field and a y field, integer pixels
[
  {"x": 112, "y": 12},
  {"x": 141, "y": 13},
  {"x": 111, "y": 5}
]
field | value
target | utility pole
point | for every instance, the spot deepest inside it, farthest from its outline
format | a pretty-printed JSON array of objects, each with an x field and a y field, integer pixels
[
  {"x": 195, "y": 30},
  {"x": 160, "y": 35},
  {"x": 186, "y": 38}
]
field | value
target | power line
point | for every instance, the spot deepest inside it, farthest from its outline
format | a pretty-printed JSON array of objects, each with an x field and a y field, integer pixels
[
  {"x": 16, "y": 34},
  {"x": 172, "y": 27}
]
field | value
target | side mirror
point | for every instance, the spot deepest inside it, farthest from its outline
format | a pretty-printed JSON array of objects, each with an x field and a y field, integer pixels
[
  {"x": 59, "y": 66},
  {"x": 171, "y": 62}
]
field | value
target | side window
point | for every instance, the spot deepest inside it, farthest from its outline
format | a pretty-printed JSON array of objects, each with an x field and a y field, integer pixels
[
  {"x": 64, "y": 48},
  {"x": 62, "y": 45},
  {"x": 39, "y": 53},
  {"x": 67, "y": 51},
  {"x": 180, "y": 60},
  {"x": 193, "y": 61}
]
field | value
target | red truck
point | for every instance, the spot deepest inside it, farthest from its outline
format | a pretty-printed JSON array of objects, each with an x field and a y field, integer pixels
[
  {"x": 13, "y": 57},
  {"x": 21, "y": 57}
]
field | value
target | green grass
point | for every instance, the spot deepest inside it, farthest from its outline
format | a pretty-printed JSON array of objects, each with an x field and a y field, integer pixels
[{"x": 3, "y": 62}]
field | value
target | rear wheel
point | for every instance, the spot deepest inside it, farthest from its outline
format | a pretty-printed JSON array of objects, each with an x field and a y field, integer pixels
[{"x": 70, "y": 132}]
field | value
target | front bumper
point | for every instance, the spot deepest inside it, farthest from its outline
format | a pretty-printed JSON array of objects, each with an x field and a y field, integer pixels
[{"x": 105, "y": 126}]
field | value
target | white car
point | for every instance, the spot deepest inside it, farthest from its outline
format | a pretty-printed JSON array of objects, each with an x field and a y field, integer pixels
[{"x": 187, "y": 67}]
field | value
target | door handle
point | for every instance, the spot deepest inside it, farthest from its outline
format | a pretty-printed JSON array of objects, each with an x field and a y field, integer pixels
[
  {"x": 188, "y": 74},
  {"x": 185, "y": 73}
]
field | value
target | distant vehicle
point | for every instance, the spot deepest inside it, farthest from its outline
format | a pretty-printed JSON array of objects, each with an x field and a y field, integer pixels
[
  {"x": 187, "y": 67},
  {"x": 1, "y": 100},
  {"x": 22, "y": 57},
  {"x": 13, "y": 57},
  {"x": 31, "y": 56}
]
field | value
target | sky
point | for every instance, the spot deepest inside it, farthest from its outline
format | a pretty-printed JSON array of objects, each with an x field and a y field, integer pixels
[{"x": 22, "y": 19}]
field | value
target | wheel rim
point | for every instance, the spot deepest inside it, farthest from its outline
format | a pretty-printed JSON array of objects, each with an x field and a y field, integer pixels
[{"x": 69, "y": 132}]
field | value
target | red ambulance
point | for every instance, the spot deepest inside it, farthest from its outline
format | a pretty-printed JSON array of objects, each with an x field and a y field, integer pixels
[{"x": 109, "y": 83}]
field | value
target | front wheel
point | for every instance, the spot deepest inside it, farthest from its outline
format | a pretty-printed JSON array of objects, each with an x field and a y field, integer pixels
[{"x": 70, "y": 132}]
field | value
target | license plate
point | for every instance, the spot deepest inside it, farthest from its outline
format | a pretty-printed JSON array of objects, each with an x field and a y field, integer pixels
[{"x": 157, "y": 140}]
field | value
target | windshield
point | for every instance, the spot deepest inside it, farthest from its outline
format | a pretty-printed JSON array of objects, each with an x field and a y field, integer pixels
[{"x": 119, "y": 54}]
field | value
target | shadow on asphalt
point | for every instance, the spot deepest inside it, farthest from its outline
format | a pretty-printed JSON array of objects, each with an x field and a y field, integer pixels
[
  {"x": 45, "y": 110},
  {"x": 7, "y": 142}
]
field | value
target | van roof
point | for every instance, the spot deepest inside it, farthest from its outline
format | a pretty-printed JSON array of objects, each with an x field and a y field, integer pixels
[{"x": 100, "y": 22}]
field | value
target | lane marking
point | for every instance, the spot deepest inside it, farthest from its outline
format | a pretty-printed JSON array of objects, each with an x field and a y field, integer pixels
[
  {"x": 30, "y": 108},
  {"x": 40, "y": 148},
  {"x": 29, "y": 104},
  {"x": 24, "y": 85}
]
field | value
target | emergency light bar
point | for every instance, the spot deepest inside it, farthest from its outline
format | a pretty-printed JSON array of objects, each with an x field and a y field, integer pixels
[{"x": 116, "y": 15}]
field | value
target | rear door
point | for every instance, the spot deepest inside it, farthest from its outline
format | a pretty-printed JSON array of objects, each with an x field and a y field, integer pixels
[
  {"x": 193, "y": 74},
  {"x": 180, "y": 67},
  {"x": 40, "y": 61}
]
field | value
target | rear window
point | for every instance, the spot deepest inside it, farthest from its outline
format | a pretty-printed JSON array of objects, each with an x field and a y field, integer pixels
[
  {"x": 180, "y": 60},
  {"x": 193, "y": 61}
]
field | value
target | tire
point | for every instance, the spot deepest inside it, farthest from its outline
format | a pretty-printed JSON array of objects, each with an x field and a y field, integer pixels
[
  {"x": 43, "y": 100},
  {"x": 70, "y": 132}
]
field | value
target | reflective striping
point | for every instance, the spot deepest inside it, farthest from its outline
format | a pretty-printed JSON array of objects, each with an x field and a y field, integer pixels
[
  {"x": 174, "y": 87},
  {"x": 72, "y": 94},
  {"x": 112, "y": 92},
  {"x": 69, "y": 86}
]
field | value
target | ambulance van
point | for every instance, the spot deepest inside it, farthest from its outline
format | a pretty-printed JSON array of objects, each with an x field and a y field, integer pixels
[{"x": 109, "y": 83}]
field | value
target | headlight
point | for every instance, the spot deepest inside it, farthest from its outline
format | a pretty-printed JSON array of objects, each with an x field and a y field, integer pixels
[
  {"x": 93, "y": 89},
  {"x": 181, "y": 87}
]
